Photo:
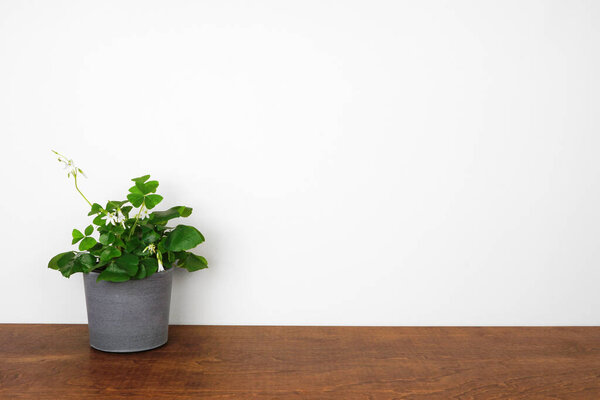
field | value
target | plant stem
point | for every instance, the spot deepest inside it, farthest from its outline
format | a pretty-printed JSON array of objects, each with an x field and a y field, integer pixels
[
  {"x": 137, "y": 217},
  {"x": 77, "y": 187}
]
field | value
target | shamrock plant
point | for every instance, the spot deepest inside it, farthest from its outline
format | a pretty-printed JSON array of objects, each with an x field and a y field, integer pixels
[{"x": 126, "y": 239}]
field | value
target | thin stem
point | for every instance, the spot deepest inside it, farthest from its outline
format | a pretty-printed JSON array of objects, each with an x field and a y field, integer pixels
[
  {"x": 77, "y": 187},
  {"x": 137, "y": 217},
  {"x": 58, "y": 154}
]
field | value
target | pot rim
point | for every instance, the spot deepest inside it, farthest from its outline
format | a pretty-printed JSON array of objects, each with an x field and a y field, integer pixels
[{"x": 160, "y": 272}]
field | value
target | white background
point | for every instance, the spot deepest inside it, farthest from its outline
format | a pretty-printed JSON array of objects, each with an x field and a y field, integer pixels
[{"x": 351, "y": 163}]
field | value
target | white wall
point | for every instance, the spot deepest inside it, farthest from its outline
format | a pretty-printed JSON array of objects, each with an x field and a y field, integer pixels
[{"x": 366, "y": 162}]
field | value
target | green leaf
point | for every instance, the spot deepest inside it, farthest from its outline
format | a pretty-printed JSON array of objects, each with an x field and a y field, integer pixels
[
  {"x": 141, "y": 179},
  {"x": 151, "y": 266},
  {"x": 128, "y": 263},
  {"x": 141, "y": 187},
  {"x": 151, "y": 186},
  {"x": 72, "y": 267},
  {"x": 161, "y": 245},
  {"x": 99, "y": 221},
  {"x": 104, "y": 238},
  {"x": 87, "y": 243},
  {"x": 192, "y": 262},
  {"x": 114, "y": 204},
  {"x": 55, "y": 261},
  {"x": 101, "y": 263},
  {"x": 77, "y": 236},
  {"x": 96, "y": 249},
  {"x": 112, "y": 276},
  {"x": 135, "y": 199},
  {"x": 183, "y": 237},
  {"x": 134, "y": 189},
  {"x": 159, "y": 217},
  {"x": 71, "y": 262},
  {"x": 87, "y": 259},
  {"x": 84, "y": 263},
  {"x": 141, "y": 274},
  {"x": 150, "y": 236},
  {"x": 89, "y": 230},
  {"x": 96, "y": 208},
  {"x": 184, "y": 211},
  {"x": 117, "y": 229},
  {"x": 107, "y": 238},
  {"x": 109, "y": 253},
  {"x": 115, "y": 272},
  {"x": 64, "y": 261},
  {"x": 152, "y": 200},
  {"x": 132, "y": 244},
  {"x": 144, "y": 188}
]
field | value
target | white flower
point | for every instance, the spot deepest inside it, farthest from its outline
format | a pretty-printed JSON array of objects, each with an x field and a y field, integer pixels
[
  {"x": 111, "y": 218},
  {"x": 70, "y": 166},
  {"x": 151, "y": 248},
  {"x": 144, "y": 213},
  {"x": 120, "y": 218}
]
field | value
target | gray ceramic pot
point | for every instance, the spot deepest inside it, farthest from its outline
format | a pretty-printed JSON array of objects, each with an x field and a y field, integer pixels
[{"x": 128, "y": 316}]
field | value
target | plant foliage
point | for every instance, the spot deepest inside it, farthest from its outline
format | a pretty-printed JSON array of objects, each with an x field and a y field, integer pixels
[{"x": 127, "y": 240}]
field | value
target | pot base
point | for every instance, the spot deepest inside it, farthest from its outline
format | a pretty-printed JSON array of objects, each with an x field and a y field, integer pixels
[{"x": 127, "y": 350}]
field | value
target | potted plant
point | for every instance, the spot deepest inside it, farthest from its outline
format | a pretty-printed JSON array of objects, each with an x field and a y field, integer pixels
[{"x": 127, "y": 256}]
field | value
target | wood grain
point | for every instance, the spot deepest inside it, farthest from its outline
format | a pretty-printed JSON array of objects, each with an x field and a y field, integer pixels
[{"x": 241, "y": 362}]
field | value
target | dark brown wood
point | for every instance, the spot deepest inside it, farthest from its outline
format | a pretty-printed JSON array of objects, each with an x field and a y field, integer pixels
[{"x": 241, "y": 362}]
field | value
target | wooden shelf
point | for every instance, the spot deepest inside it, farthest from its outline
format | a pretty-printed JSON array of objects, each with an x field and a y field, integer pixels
[{"x": 241, "y": 362}]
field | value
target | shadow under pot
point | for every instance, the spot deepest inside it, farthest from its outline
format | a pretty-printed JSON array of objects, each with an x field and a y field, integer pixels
[{"x": 129, "y": 316}]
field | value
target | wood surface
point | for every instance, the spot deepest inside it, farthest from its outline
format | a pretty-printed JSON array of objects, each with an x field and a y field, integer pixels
[{"x": 242, "y": 362}]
